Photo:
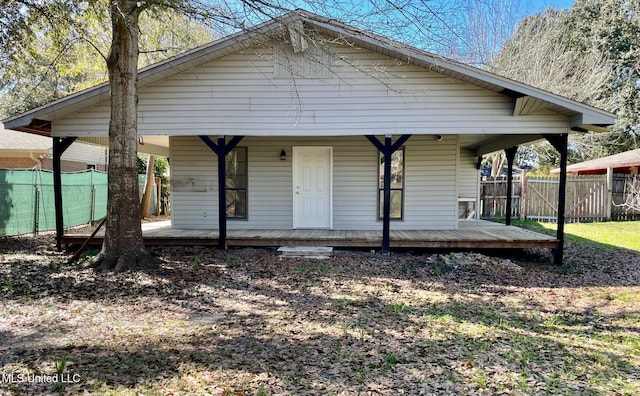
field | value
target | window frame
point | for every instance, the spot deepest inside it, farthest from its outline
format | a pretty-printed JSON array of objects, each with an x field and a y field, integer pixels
[
  {"x": 245, "y": 188},
  {"x": 380, "y": 198}
]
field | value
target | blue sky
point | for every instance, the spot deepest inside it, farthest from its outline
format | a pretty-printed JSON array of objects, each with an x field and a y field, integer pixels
[
  {"x": 542, "y": 4},
  {"x": 539, "y": 5},
  {"x": 503, "y": 26},
  {"x": 452, "y": 28}
]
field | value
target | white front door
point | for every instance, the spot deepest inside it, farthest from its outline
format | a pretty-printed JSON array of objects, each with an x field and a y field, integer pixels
[{"x": 312, "y": 187}]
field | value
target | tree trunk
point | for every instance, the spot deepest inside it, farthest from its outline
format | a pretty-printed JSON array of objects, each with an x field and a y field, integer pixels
[
  {"x": 123, "y": 247},
  {"x": 148, "y": 187},
  {"x": 497, "y": 165}
]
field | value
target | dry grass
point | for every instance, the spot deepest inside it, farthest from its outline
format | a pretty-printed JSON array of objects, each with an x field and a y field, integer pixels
[{"x": 243, "y": 322}]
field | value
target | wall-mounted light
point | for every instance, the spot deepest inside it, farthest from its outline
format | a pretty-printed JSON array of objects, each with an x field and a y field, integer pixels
[{"x": 283, "y": 155}]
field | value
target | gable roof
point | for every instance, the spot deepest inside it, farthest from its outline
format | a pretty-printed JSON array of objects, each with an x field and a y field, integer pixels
[
  {"x": 528, "y": 99},
  {"x": 626, "y": 159}
]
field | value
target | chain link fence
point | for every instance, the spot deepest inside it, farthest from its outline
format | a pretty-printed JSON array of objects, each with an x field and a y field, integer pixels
[{"x": 27, "y": 200}]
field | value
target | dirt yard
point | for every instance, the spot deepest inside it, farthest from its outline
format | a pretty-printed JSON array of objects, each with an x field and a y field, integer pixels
[{"x": 246, "y": 322}]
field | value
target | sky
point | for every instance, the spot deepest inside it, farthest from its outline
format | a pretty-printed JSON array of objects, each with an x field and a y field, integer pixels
[
  {"x": 431, "y": 25},
  {"x": 542, "y": 4},
  {"x": 539, "y": 5},
  {"x": 496, "y": 18}
]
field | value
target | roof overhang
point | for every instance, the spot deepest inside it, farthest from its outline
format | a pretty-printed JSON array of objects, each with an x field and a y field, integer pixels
[
  {"x": 492, "y": 143},
  {"x": 624, "y": 160},
  {"x": 156, "y": 145}
]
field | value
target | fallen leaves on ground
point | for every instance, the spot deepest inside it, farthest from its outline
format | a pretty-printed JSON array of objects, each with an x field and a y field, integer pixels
[{"x": 248, "y": 322}]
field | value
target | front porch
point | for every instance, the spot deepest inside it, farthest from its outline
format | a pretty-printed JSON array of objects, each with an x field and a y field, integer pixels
[{"x": 474, "y": 234}]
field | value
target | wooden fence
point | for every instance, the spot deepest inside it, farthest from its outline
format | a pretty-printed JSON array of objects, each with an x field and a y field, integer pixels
[
  {"x": 536, "y": 198},
  {"x": 493, "y": 198},
  {"x": 625, "y": 189}
]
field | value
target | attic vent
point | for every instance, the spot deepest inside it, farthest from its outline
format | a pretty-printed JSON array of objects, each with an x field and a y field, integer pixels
[{"x": 290, "y": 62}]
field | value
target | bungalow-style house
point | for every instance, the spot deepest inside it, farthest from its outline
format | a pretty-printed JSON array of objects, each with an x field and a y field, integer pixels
[
  {"x": 305, "y": 123},
  {"x": 20, "y": 150},
  {"x": 627, "y": 163}
]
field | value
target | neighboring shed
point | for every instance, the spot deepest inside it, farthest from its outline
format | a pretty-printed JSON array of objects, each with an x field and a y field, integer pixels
[
  {"x": 21, "y": 150},
  {"x": 627, "y": 162},
  {"x": 327, "y": 128}
]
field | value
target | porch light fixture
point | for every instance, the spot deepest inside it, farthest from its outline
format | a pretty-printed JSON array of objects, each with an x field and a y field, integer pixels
[{"x": 283, "y": 155}]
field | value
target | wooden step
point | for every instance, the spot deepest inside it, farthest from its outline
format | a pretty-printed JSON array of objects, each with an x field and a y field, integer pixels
[{"x": 315, "y": 252}]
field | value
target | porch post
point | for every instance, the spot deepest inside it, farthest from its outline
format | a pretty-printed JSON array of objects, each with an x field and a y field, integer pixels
[
  {"x": 221, "y": 149},
  {"x": 387, "y": 150},
  {"x": 560, "y": 143},
  {"x": 511, "y": 155},
  {"x": 222, "y": 196},
  {"x": 60, "y": 145},
  {"x": 386, "y": 205},
  {"x": 609, "y": 200}
]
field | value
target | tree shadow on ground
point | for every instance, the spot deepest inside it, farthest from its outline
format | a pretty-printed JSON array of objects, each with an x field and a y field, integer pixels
[
  {"x": 421, "y": 349},
  {"x": 244, "y": 321}
]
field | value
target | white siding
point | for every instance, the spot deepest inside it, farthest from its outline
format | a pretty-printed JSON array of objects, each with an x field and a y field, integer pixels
[
  {"x": 365, "y": 93},
  {"x": 468, "y": 175},
  {"x": 468, "y": 178},
  {"x": 87, "y": 153},
  {"x": 430, "y": 183},
  {"x": 193, "y": 184}
]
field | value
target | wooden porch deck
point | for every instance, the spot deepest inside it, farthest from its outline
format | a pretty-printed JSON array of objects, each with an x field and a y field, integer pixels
[{"x": 474, "y": 234}]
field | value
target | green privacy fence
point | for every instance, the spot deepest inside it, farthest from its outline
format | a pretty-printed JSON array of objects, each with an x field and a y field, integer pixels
[{"x": 27, "y": 200}]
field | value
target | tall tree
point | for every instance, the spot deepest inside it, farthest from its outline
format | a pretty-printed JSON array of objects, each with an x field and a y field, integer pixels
[
  {"x": 53, "y": 62},
  {"x": 482, "y": 29},
  {"x": 123, "y": 246},
  {"x": 59, "y": 24},
  {"x": 45, "y": 54},
  {"x": 590, "y": 54}
]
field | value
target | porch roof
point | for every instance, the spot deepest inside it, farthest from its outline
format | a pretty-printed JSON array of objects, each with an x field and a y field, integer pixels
[{"x": 527, "y": 99}]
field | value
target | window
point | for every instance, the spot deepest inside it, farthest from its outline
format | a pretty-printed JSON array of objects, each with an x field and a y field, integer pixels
[
  {"x": 397, "y": 184},
  {"x": 236, "y": 183}
]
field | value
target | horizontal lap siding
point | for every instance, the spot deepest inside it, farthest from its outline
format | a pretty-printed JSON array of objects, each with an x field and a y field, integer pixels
[
  {"x": 468, "y": 183},
  {"x": 468, "y": 175},
  {"x": 270, "y": 186},
  {"x": 87, "y": 153},
  {"x": 194, "y": 184},
  {"x": 355, "y": 189},
  {"x": 367, "y": 94},
  {"x": 270, "y": 183},
  {"x": 430, "y": 183}
]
